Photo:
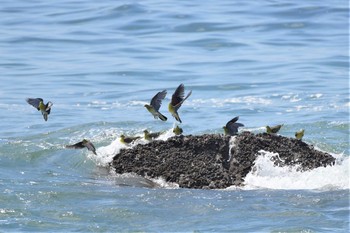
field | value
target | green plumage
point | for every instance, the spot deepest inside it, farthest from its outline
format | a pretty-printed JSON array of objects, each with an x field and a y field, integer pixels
[{"x": 273, "y": 129}]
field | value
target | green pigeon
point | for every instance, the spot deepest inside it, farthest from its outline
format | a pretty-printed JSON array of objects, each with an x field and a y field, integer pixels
[
  {"x": 150, "y": 136},
  {"x": 177, "y": 130},
  {"x": 128, "y": 140},
  {"x": 38, "y": 103},
  {"x": 232, "y": 126},
  {"x": 177, "y": 100},
  {"x": 82, "y": 144},
  {"x": 299, "y": 134},
  {"x": 155, "y": 104},
  {"x": 273, "y": 129}
]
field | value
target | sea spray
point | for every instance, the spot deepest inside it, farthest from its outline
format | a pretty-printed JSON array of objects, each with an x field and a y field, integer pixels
[{"x": 265, "y": 175}]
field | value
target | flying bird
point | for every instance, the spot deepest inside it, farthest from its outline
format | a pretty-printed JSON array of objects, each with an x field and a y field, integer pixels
[
  {"x": 128, "y": 140},
  {"x": 155, "y": 104},
  {"x": 273, "y": 129},
  {"x": 177, "y": 130},
  {"x": 177, "y": 100},
  {"x": 82, "y": 144},
  {"x": 150, "y": 136},
  {"x": 299, "y": 134},
  {"x": 38, "y": 103},
  {"x": 232, "y": 126}
]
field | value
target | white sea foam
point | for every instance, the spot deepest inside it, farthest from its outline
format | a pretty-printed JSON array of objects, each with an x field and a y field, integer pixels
[
  {"x": 160, "y": 182},
  {"x": 265, "y": 175},
  {"x": 232, "y": 144},
  {"x": 105, "y": 154},
  {"x": 214, "y": 102},
  {"x": 291, "y": 97},
  {"x": 316, "y": 96}
]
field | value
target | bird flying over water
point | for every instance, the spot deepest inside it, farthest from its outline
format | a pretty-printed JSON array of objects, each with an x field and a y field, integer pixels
[
  {"x": 155, "y": 104},
  {"x": 273, "y": 129},
  {"x": 232, "y": 126},
  {"x": 128, "y": 140},
  {"x": 82, "y": 144},
  {"x": 299, "y": 134},
  {"x": 150, "y": 136},
  {"x": 177, "y": 100},
  {"x": 177, "y": 130},
  {"x": 38, "y": 103}
]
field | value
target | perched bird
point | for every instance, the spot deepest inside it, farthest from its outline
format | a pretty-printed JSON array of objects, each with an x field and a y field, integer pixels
[
  {"x": 127, "y": 140},
  {"x": 273, "y": 129},
  {"x": 176, "y": 101},
  {"x": 155, "y": 104},
  {"x": 177, "y": 130},
  {"x": 299, "y": 134},
  {"x": 232, "y": 126},
  {"x": 38, "y": 103},
  {"x": 150, "y": 136},
  {"x": 82, "y": 144}
]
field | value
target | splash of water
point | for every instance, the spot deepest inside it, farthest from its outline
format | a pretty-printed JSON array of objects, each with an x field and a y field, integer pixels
[{"x": 265, "y": 175}]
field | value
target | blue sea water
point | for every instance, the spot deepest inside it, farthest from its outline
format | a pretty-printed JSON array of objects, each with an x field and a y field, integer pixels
[{"x": 99, "y": 62}]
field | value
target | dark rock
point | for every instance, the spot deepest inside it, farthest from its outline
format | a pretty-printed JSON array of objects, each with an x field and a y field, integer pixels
[
  {"x": 206, "y": 161},
  {"x": 291, "y": 152}
]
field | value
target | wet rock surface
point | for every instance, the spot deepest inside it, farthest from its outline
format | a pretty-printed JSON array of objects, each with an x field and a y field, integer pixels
[{"x": 207, "y": 161}]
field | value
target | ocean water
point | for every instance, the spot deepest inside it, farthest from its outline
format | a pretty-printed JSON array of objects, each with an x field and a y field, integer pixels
[{"x": 269, "y": 62}]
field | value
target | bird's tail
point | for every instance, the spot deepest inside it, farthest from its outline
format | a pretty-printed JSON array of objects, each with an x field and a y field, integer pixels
[
  {"x": 177, "y": 117},
  {"x": 162, "y": 117},
  {"x": 45, "y": 116}
]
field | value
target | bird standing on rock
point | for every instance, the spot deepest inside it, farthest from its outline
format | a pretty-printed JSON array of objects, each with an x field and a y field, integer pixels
[
  {"x": 155, "y": 104},
  {"x": 82, "y": 144},
  {"x": 177, "y": 130},
  {"x": 177, "y": 100},
  {"x": 150, "y": 136},
  {"x": 299, "y": 134},
  {"x": 38, "y": 103},
  {"x": 128, "y": 140},
  {"x": 232, "y": 126},
  {"x": 273, "y": 129}
]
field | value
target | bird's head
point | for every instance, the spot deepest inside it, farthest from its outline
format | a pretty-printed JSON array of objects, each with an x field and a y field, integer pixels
[{"x": 122, "y": 138}]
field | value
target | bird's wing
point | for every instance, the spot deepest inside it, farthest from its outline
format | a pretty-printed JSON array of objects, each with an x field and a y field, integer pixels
[
  {"x": 275, "y": 129},
  {"x": 90, "y": 146},
  {"x": 233, "y": 120},
  {"x": 131, "y": 139},
  {"x": 233, "y": 127},
  {"x": 155, "y": 134},
  {"x": 156, "y": 101},
  {"x": 48, "y": 107},
  {"x": 178, "y": 95},
  {"x": 183, "y": 100},
  {"x": 34, "y": 102},
  {"x": 78, "y": 145}
]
